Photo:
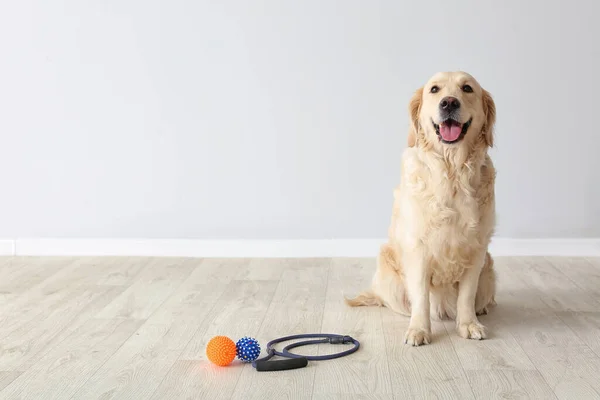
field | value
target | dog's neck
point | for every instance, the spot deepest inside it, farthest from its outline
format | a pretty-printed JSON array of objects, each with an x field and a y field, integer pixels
[
  {"x": 455, "y": 157},
  {"x": 463, "y": 157}
]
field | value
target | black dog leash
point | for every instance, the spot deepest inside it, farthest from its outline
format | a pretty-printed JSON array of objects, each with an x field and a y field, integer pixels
[{"x": 299, "y": 361}]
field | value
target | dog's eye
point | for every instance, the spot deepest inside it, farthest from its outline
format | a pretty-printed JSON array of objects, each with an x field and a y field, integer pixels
[
  {"x": 467, "y": 89},
  {"x": 434, "y": 89}
]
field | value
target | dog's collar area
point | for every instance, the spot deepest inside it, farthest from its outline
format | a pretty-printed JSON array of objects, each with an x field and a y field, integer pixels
[{"x": 463, "y": 132}]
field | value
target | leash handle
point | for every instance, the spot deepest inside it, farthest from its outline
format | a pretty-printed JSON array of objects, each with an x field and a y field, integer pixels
[{"x": 281, "y": 365}]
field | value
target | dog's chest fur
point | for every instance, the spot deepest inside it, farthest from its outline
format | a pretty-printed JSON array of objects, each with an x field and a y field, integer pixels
[{"x": 440, "y": 214}]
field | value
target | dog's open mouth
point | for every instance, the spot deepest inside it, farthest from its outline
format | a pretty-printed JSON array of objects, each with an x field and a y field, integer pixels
[{"x": 451, "y": 131}]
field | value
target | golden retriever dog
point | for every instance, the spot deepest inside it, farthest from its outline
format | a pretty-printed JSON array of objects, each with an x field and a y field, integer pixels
[{"x": 436, "y": 261}]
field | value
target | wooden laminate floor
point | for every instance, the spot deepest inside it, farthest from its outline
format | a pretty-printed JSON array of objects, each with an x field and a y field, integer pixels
[{"x": 136, "y": 328}]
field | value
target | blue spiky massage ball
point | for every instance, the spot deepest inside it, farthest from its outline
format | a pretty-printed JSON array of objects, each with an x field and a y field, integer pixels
[{"x": 247, "y": 349}]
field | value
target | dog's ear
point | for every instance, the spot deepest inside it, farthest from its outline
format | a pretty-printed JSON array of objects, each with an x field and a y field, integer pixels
[
  {"x": 414, "y": 108},
  {"x": 489, "y": 108}
]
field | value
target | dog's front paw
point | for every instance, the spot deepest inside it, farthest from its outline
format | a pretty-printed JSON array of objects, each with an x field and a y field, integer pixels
[
  {"x": 472, "y": 330},
  {"x": 417, "y": 337}
]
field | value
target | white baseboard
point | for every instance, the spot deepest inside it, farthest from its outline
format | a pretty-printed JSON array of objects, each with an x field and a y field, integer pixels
[
  {"x": 271, "y": 248},
  {"x": 7, "y": 247},
  {"x": 585, "y": 247}
]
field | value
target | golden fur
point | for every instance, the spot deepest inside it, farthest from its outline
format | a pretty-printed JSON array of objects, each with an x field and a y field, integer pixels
[{"x": 436, "y": 261}]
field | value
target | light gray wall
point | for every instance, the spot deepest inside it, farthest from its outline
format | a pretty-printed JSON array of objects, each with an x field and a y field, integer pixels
[{"x": 281, "y": 119}]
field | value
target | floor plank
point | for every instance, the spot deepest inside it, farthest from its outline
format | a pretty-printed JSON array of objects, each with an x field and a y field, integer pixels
[
  {"x": 499, "y": 351},
  {"x": 187, "y": 380},
  {"x": 65, "y": 368},
  {"x": 297, "y": 307},
  {"x": 31, "y": 297},
  {"x": 366, "y": 371},
  {"x": 7, "y": 377},
  {"x": 319, "y": 396},
  {"x": 567, "y": 364},
  {"x": 581, "y": 271},
  {"x": 21, "y": 273},
  {"x": 137, "y": 369},
  {"x": 86, "y": 271},
  {"x": 238, "y": 311},
  {"x": 155, "y": 283},
  {"x": 25, "y": 345},
  {"x": 425, "y": 372},
  {"x": 555, "y": 288},
  {"x": 509, "y": 384},
  {"x": 585, "y": 325},
  {"x": 225, "y": 270},
  {"x": 571, "y": 372}
]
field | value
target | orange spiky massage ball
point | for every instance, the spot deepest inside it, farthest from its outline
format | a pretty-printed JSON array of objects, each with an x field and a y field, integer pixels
[{"x": 221, "y": 350}]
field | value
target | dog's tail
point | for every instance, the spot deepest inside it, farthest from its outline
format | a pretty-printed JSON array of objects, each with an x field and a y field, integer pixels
[
  {"x": 387, "y": 260},
  {"x": 366, "y": 298}
]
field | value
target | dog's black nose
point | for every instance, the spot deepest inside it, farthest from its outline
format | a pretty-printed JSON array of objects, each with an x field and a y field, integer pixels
[{"x": 449, "y": 104}]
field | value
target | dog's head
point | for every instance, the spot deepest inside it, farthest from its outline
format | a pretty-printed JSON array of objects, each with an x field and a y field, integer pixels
[{"x": 452, "y": 109}]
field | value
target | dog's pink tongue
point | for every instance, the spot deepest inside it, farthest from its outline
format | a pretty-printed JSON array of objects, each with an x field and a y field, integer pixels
[{"x": 450, "y": 132}]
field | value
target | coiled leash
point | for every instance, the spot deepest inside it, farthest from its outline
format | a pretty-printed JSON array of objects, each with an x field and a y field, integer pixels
[{"x": 299, "y": 361}]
